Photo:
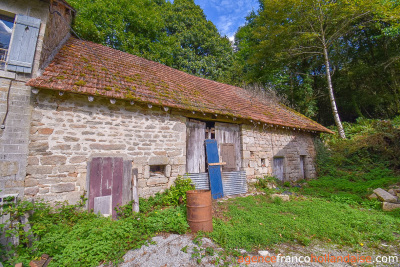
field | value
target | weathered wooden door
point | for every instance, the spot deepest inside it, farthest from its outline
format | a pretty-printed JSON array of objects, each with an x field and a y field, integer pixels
[
  {"x": 195, "y": 154},
  {"x": 228, "y": 156},
  {"x": 109, "y": 184},
  {"x": 302, "y": 167},
  {"x": 278, "y": 166},
  {"x": 228, "y": 138}
]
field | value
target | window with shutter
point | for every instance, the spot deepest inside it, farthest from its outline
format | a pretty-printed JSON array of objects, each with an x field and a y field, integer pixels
[
  {"x": 6, "y": 27},
  {"x": 23, "y": 44}
]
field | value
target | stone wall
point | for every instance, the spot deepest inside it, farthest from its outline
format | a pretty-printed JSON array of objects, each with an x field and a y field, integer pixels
[
  {"x": 67, "y": 131},
  {"x": 57, "y": 31},
  {"x": 14, "y": 137},
  {"x": 260, "y": 146}
]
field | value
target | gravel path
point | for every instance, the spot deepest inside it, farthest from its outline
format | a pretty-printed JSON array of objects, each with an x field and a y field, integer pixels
[{"x": 180, "y": 250}]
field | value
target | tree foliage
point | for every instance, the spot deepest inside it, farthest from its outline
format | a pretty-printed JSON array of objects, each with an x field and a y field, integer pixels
[
  {"x": 176, "y": 34},
  {"x": 282, "y": 45}
]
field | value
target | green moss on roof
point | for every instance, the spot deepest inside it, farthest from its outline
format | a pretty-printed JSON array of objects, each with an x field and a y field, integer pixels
[{"x": 80, "y": 83}]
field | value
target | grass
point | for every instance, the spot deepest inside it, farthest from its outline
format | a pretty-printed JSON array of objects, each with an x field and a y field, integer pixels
[{"x": 259, "y": 222}]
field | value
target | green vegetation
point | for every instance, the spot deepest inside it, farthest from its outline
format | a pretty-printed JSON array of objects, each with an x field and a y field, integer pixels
[
  {"x": 75, "y": 237},
  {"x": 261, "y": 222},
  {"x": 333, "y": 208},
  {"x": 176, "y": 34},
  {"x": 283, "y": 46}
]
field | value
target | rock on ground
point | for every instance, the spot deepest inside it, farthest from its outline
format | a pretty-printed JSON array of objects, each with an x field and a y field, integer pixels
[{"x": 385, "y": 196}]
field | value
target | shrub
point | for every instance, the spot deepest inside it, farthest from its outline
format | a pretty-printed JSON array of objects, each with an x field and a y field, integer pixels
[{"x": 177, "y": 192}]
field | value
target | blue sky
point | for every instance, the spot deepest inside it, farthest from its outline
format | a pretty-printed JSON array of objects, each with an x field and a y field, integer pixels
[{"x": 227, "y": 15}]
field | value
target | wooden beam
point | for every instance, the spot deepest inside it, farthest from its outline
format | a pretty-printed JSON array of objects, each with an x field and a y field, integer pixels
[{"x": 216, "y": 164}]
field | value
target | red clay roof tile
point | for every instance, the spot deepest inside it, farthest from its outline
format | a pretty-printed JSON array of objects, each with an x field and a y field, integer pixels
[{"x": 87, "y": 68}]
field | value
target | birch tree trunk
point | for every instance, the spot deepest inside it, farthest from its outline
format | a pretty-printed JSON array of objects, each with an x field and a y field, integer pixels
[{"x": 332, "y": 96}]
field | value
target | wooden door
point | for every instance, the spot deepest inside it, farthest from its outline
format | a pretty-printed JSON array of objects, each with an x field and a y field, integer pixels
[
  {"x": 278, "y": 166},
  {"x": 227, "y": 133},
  {"x": 302, "y": 167},
  {"x": 228, "y": 156},
  {"x": 109, "y": 184},
  {"x": 195, "y": 154}
]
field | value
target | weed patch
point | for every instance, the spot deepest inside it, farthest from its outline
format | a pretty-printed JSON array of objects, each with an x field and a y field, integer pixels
[
  {"x": 263, "y": 223},
  {"x": 73, "y": 236}
]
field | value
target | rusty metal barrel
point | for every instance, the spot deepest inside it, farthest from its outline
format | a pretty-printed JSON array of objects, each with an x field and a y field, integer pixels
[{"x": 199, "y": 210}]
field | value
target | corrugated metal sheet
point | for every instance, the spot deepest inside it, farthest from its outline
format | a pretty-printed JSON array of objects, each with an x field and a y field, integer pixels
[
  {"x": 200, "y": 180},
  {"x": 233, "y": 183}
]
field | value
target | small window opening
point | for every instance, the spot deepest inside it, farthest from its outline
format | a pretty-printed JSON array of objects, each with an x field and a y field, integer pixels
[
  {"x": 6, "y": 28},
  {"x": 210, "y": 130},
  {"x": 263, "y": 163},
  {"x": 157, "y": 170}
]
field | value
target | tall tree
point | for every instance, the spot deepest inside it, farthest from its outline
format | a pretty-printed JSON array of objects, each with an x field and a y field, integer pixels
[
  {"x": 200, "y": 49},
  {"x": 176, "y": 34},
  {"x": 308, "y": 36}
]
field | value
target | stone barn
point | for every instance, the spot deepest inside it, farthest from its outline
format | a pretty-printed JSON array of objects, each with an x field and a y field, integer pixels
[{"x": 88, "y": 118}]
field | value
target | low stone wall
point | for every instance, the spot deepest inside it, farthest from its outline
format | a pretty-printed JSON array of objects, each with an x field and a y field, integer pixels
[
  {"x": 67, "y": 131},
  {"x": 260, "y": 146}
]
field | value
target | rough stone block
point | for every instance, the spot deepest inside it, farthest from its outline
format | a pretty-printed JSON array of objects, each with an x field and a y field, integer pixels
[
  {"x": 62, "y": 147},
  {"x": 39, "y": 170},
  {"x": 385, "y": 196},
  {"x": 168, "y": 169},
  {"x": 158, "y": 160},
  {"x": 107, "y": 146},
  {"x": 390, "y": 206},
  {"x": 33, "y": 161},
  {"x": 67, "y": 168},
  {"x": 157, "y": 181},
  {"x": 78, "y": 159},
  {"x": 59, "y": 188},
  {"x": 146, "y": 173},
  {"x": 44, "y": 190},
  {"x": 45, "y": 131},
  {"x": 372, "y": 196},
  {"x": 391, "y": 191},
  {"x": 31, "y": 191},
  {"x": 70, "y": 139},
  {"x": 38, "y": 146},
  {"x": 8, "y": 168},
  {"x": 29, "y": 182},
  {"x": 53, "y": 160}
]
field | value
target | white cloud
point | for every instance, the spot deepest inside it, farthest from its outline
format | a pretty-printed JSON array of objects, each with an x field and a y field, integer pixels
[{"x": 227, "y": 15}]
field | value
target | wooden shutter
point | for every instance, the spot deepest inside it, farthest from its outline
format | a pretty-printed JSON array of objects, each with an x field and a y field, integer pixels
[
  {"x": 226, "y": 133},
  {"x": 23, "y": 44},
  {"x": 195, "y": 154}
]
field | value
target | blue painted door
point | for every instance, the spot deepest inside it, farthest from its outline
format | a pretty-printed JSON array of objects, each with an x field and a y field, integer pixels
[{"x": 214, "y": 172}]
